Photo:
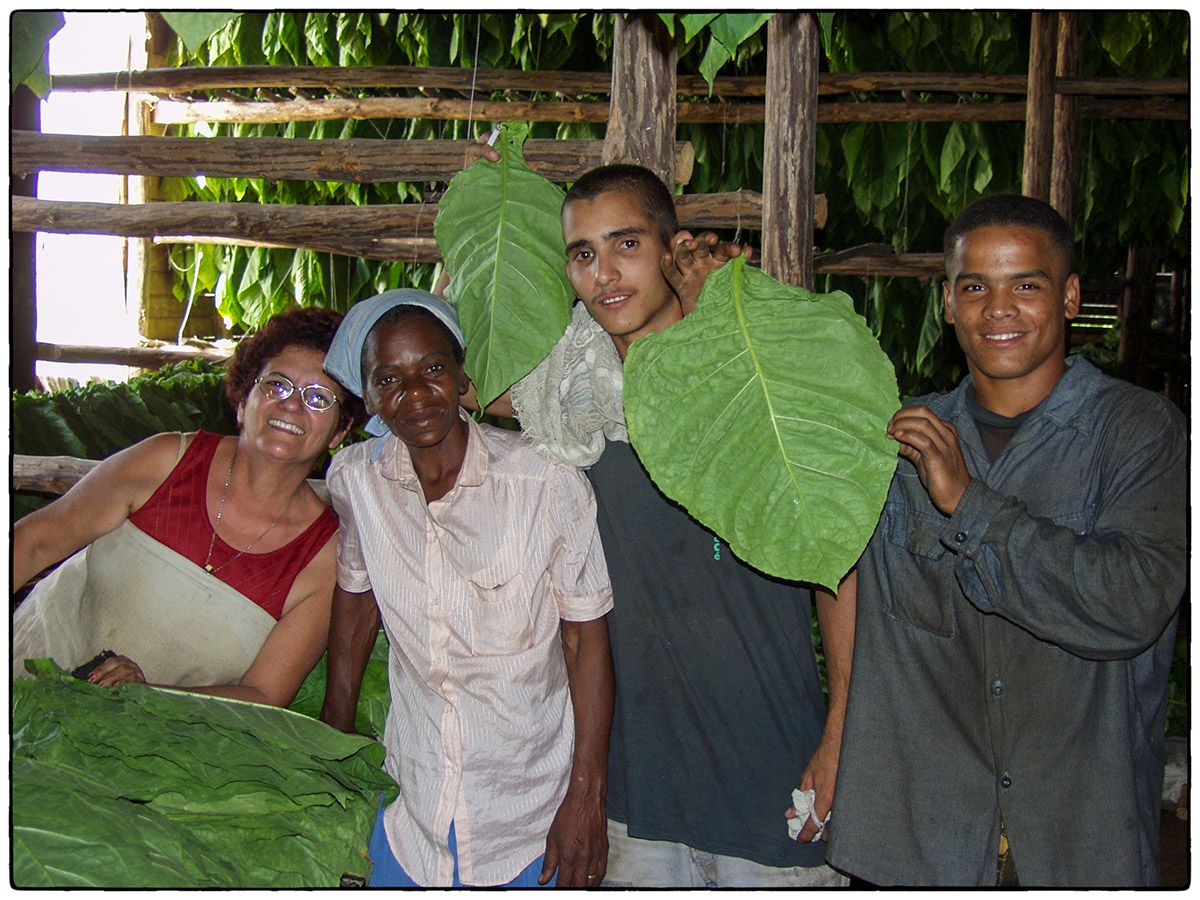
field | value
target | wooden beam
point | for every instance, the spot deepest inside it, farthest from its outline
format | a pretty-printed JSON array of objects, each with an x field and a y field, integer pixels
[
  {"x": 58, "y": 474},
  {"x": 641, "y": 121},
  {"x": 387, "y": 231},
  {"x": 1121, "y": 87},
  {"x": 309, "y": 110},
  {"x": 1065, "y": 167},
  {"x": 48, "y": 474},
  {"x": 172, "y": 112},
  {"x": 916, "y": 265},
  {"x": 358, "y": 160},
  {"x": 1039, "y": 107},
  {"x": 137, "y": 357},
  {"x": 790, "y": 141},
  {"x": 573, "y": 84},
  {"x": 1153, "y": 108},
  {"x": 25, "y": 112}
]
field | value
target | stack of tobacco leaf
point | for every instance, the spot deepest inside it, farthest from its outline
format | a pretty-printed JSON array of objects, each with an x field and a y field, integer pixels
[{"x": 144, "y": 787}]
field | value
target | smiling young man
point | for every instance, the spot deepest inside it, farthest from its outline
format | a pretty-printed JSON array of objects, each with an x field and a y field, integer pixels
[
  {"x": 1017, "y": 605},
  {"x": 719, "y": 713},
  {"x": 483, "y": 561}
]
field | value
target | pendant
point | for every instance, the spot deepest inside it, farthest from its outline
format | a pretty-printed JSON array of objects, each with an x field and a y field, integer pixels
[{"x": 208, "y": 568}]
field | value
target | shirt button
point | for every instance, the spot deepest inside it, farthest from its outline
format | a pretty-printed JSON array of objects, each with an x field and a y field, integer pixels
[
  {"x": 960, "y": 538},
  {"x": 1005, "y": 781},
  {"x": 997, "y": 687}
]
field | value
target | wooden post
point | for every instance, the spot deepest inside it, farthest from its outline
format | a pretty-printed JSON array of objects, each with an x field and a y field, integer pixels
[
  {"x": 1137, "y": 310},
  {"x": 1039, "y": 107},
  {"x": 1065, "y": 169},
  {"x": 641, "y": 119},
  {"x": 1177, "y": 374},
  {"x": 26, "y": 113},
  {"x": 790, "y": 147}
]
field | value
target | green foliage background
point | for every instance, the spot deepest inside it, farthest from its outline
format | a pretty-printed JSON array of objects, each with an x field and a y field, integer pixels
[{"x": 892, "y": 183}]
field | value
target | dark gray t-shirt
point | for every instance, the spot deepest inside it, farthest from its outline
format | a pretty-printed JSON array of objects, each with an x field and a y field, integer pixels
[{"x": 718, "y": 701}]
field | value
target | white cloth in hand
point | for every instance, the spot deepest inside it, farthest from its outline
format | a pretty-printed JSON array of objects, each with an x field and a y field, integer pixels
[{"x": 802, "y": 802}]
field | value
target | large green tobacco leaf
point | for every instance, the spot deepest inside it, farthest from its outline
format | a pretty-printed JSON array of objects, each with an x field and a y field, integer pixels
[
  {"x": 143, "y": 787},
  {"x": 499, "y": 231},
  {"x": 194, "y": 28},
  {"x": 764, "y": 413}
]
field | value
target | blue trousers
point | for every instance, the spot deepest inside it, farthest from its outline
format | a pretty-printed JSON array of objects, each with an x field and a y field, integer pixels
[{"x": 388, "y": 873}]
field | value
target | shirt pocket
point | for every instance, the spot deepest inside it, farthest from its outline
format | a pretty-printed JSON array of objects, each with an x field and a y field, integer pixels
[
  {"x": 499, "y": 611},
  {"x": 914, "y": 537}
]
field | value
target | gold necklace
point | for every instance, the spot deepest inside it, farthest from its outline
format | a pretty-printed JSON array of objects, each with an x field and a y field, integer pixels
[{"x": 208, "y": 566}]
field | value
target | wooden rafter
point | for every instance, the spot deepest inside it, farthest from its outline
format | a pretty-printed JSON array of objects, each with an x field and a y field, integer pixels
[
  {"x": 356, "y": 160},
  {"x": 574, "y": 84}
]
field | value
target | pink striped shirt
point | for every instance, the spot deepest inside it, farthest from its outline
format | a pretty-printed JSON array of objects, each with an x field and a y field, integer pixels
[{"x": 471, "y": 589}]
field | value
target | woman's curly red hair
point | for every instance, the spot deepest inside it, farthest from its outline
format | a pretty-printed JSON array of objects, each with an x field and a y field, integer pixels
[{"x": 312, "y": 328}]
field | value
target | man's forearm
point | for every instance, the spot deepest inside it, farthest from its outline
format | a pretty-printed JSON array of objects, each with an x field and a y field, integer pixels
[
  {"x": 835, "y": 618},
  {"x": 353, "y": 625}
]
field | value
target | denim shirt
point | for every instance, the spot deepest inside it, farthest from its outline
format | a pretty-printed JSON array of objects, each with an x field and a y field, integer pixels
[{"x": 1011, "y": 660}]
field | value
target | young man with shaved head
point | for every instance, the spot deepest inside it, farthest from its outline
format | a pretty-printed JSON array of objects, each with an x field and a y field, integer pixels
[
  {"x": 1017, "y": 605},
  {"x": 719, "y": 713}
]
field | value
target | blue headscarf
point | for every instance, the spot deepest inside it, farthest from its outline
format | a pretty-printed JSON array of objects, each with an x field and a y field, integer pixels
[{"x": 344, "y": 359}]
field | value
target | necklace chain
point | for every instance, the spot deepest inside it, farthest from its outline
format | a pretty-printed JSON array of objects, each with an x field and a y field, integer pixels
[{"x": 208, "y": 566}]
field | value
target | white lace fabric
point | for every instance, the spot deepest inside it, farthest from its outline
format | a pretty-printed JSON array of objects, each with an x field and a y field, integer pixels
[{"x": 572, "y": 402}]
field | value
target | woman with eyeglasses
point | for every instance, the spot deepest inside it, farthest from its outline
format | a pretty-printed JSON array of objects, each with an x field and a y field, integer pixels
[{"x": 200, "y": 561}]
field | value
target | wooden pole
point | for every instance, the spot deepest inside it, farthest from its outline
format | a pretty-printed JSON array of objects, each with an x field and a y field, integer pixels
[
  {"x": 1039, "y": 107},
  {"x": 58, "y": 474},
  {"x": 790, "y": 147},
  {"x": 1065, "y": 166},
  {"x": 181, "y": 81},
  {"x": 641, "y": 119},
  {"x": 387, "y": 231},
  {"x": 25, "y": 113},
  {"x": 358, "y": 160},
  {"x": 1137, "y": 310}
]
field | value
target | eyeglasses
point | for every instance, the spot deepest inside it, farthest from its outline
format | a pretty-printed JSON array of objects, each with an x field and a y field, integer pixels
[{"x": 279, "y": 387}]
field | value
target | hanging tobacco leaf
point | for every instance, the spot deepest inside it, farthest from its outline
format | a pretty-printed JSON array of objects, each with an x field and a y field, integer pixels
[
  {"x": 764, "y": 413},
  {"x": 499, "y": 230}
]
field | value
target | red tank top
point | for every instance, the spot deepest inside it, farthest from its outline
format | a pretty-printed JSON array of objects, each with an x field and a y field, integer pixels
[{"x": 176, "y": 515}]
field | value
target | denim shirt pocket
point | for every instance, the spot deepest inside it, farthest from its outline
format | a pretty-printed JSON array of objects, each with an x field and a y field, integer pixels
[
  {"x": 499, "y": 612},
  {"x": 920, "y": 599}
]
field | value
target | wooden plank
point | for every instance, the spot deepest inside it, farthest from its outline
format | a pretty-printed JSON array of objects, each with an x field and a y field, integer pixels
[
  {"x": 1039, "y": 107},
  {"x": 357, "y": 160},
  {"x": 790, "y": 141},
  {"x": 641, "y": 120}
]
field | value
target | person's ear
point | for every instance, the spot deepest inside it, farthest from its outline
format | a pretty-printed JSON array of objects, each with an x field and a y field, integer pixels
[
  {"x": 339, "y": 437},
  {"x": 240, "y": 414},
  {"x": 947, "y": 303},
  {"x": 1071, "y": 297}
]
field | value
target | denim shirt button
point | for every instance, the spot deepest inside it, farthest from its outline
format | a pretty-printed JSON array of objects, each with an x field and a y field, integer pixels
[
  {"x": 997, "y": 687},
  {"x": 1005, "y": 781},
  {"x": 960, "y": 538}
]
